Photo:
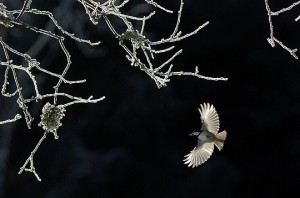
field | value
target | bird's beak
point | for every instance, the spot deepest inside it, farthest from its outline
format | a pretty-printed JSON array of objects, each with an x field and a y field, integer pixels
[{"x": 191, "y": 134}]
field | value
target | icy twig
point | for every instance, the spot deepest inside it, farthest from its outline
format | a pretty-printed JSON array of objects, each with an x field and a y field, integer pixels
[
  {"x": 51, "y": 114},
  {"x": 50, "y": 121},
  {"x": 139, "y": 49},
  {"x": 26, "y": 6},
  {"x": 272, "y": 40},
  {"x": 30, "y": 159},
  {"x": 8, "y": 20},
  {"x": 17, "y": 117}
]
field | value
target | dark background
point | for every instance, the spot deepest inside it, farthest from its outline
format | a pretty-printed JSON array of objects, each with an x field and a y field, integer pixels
[{"x": 132, "y": 144}]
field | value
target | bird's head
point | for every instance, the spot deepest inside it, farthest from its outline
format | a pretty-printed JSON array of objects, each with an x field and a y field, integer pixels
[{"x": 195, "y": 133}]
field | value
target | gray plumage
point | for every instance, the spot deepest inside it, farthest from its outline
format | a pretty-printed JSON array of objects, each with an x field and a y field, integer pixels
[{"x": 207, "y": 138}]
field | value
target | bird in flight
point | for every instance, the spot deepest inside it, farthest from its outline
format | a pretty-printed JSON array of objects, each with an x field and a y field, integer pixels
[{"x": 207, "y": 138}]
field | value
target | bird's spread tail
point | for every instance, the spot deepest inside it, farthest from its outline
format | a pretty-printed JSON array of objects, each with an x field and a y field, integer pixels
[{"x": 220, "y": 139}]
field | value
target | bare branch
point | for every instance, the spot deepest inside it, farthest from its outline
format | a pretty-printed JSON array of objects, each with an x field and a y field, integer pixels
[
  {"x": 272, "y": 40},
  {"x": 51, "y": 114},
  {"x": 136, "y": 44}
]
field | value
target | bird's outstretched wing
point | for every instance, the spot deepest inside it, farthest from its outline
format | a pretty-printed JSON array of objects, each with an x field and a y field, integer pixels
[
  {"x": 209, "y": 118},
  {"x": 199, "y": 154}
]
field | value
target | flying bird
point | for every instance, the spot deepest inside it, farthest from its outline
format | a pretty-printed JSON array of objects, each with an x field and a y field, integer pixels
[{"x": 207, "y": 138}]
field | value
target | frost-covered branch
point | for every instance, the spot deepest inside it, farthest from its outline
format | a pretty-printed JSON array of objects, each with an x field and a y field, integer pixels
[
  {"x": 30, "y": 159},
  {"x": 17, "y": 117},
  {"x": 16, "y": 72},
  {"x": 9, "y": 20},
  {"x": 272, "y": 39},
  {"x": 140, "y": 50},
  {"x": 50, "y": 122}
]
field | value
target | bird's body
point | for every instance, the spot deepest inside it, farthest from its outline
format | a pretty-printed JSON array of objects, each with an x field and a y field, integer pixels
[{"x": 207, "y": 138}]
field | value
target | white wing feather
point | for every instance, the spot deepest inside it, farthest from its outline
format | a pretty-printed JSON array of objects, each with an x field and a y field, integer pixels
[
  {"x": 209, "y": 118},
  {"x": 200, "y": 154}
]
